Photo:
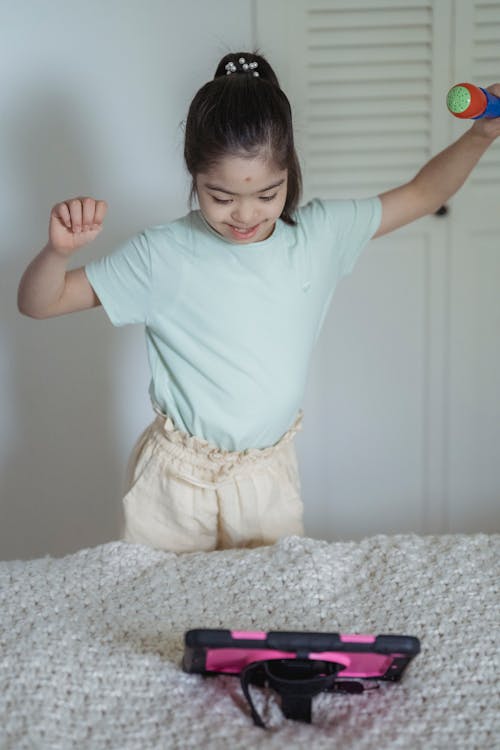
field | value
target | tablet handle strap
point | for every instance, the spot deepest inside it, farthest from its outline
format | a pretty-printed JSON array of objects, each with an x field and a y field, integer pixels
[{"x": 297, "y": 681}]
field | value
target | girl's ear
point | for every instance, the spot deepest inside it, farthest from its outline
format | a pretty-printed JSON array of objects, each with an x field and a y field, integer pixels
[{"x": 193, "y": 194}]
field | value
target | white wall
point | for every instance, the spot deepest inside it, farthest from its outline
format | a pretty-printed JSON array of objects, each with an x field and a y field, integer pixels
[{"x": 92, "y": 99}]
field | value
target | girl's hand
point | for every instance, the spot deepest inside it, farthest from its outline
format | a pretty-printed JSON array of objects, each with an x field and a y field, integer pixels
[
  {"x": 488, "y": 127},
  {"x": 74, "y": 223}
]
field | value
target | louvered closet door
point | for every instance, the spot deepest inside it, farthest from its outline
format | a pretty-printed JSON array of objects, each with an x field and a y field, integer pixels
[
  {"x": 367, "y": 81},
  {"x": 474, "y": 395},
  {"x": 367, "y": 90}
]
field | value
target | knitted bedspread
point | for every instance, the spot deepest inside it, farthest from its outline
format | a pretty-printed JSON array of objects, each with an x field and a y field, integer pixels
[{"x": 91, "y": 644}]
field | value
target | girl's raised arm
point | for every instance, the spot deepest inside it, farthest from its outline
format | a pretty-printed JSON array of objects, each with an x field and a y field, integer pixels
[
  {"x": 440, "y": 178},
  {"x": 46, "y": 288}
]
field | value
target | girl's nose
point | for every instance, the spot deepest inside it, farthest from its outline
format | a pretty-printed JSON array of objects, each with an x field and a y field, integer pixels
[{"x": 243, "y": 215}]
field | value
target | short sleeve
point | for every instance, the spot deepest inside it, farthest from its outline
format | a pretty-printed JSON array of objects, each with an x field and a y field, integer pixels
[
  {"x": 338, "y": 230},
  {"x": 122, "y": 281},
  {"x": 354, "y": 223}
]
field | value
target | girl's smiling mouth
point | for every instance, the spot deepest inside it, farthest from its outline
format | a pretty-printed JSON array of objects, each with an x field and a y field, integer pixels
[{"x": 243, "y": 234}]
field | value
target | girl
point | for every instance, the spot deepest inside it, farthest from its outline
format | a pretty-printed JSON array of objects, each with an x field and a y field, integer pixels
[{"x": 232, "y": 297}]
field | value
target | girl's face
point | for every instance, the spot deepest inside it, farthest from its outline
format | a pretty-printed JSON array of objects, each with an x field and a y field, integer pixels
[{"x": 241, "y": 198}]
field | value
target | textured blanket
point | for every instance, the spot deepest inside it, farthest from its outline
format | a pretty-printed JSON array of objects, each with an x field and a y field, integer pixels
[{"x": 91, "y": 644}]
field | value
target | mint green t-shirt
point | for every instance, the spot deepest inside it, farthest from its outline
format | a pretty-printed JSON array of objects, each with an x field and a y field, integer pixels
[{"x": 230, "y": 328}]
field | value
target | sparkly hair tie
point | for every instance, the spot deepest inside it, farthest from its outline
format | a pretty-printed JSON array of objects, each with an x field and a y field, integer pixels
[{"x": 244, "y": 67}]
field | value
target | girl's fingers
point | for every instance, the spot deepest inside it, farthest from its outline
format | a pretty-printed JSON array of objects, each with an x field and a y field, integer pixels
[
  {"x": 81, "y": 214},
  {"x": 100, "y": 211},
  {"x": 62, "y": 213},
  {"x": 88, "y": 212},
  {"x": 75, "y": 209},
  {"x": 494, "y": 89}
]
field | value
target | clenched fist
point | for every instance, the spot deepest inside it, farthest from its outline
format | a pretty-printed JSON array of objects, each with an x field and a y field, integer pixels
[{"x": 75, "y": 222}]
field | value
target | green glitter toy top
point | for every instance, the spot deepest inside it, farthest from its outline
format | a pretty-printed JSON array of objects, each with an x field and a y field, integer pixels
[{"x": 458, "y": 99}]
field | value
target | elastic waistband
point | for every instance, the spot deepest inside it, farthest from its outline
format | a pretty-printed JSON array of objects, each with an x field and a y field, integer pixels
[{"x": 207, "y": 455}]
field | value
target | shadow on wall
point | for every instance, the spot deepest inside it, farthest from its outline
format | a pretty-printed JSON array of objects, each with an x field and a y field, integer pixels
[{"x": 60, "y": 473}]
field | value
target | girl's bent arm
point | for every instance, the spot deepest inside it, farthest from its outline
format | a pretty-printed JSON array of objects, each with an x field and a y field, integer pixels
[{"x": 46, "y": 289}]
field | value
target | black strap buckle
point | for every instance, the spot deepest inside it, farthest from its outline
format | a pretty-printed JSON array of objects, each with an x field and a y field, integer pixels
[{"x": 297, "y": 681}]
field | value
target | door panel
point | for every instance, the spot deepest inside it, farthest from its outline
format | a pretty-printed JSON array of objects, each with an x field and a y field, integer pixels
[{"x": 402, "y": 416}]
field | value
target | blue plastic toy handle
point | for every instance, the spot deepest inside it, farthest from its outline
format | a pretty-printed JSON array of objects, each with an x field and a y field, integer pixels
[{"x": 492, "y": 108}]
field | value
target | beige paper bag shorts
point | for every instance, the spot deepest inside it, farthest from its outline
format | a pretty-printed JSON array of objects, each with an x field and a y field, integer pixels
[{"x": 183, "y": 494}]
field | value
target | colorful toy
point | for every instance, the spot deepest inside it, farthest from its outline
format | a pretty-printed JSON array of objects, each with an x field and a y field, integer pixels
[{"x": 472, "y": 102}]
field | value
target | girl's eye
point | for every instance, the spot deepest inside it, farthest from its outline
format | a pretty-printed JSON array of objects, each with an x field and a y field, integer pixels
[{"x": 264, "y": 198}]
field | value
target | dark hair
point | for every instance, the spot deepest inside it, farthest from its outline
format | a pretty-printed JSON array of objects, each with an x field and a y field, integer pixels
[{"x": 241, "y": 114}]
